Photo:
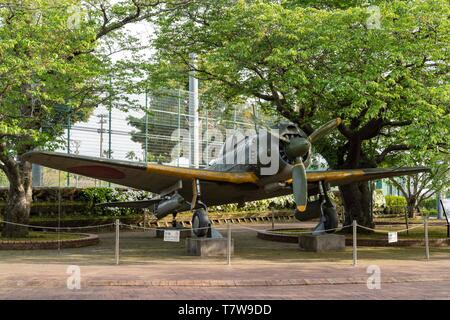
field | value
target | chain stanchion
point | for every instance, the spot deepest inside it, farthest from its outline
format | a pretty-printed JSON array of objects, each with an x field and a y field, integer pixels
[
  {"x": 117, "y": 223},
  {"x": 355, "y": 248},
  {"x": 427, "y": 244},
  {"x": 229, "y": 245},
  {"x": 273, "y": 220}
]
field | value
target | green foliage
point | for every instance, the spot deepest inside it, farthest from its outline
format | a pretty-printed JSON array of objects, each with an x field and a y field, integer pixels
[
  {"x": 94, "y": 196},
  {"x": 97, "y": 195},
  {"x": 395, "y": 201},
  {"x": 312, "y": 61},
  {"x": 56, "y": 63},
  {"x": 278, "y": 203},
  {"x": 429, "y": 204},
  {"x": 429, "y": 212}
]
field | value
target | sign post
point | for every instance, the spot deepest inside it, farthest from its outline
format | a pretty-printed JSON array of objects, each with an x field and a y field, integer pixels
[{"x": 229, "y": 244}]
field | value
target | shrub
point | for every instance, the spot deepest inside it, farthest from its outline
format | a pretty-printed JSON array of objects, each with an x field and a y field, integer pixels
[
  {"x": 396, "y": 201},
  {"x": 429, "y": 204},
  {"x": 278, "y": 203},
  {"x": 395, "y": 204}
]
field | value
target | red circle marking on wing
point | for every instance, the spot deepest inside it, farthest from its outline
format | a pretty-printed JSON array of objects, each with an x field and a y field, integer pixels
[{"x": 100, "y": 172}]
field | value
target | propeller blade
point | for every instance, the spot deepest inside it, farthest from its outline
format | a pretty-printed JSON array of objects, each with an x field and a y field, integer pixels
[
  {"x": 300, "y": 186},
  {"x": 324, "y": 130}
]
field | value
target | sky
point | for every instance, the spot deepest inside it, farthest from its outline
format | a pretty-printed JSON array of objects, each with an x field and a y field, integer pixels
[{"x": 85, "y": 136}]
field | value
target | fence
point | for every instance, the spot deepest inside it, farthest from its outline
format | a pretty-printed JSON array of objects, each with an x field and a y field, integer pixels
[{"x": 155, "y": 129}]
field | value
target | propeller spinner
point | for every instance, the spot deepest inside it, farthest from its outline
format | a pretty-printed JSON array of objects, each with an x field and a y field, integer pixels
[{"x": 298, "y": 148}]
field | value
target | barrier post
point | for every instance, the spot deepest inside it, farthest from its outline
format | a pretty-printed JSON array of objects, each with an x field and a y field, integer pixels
[
  {"x": 273, "y": 220},
  {"x": 355, "y": 254},
  {"x": 117, "y": 223},
  {"x": 229, "y": 245},
  {"x": 427, "y": 245}
]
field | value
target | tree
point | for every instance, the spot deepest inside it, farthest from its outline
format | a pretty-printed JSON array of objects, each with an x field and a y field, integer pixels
[
  {"x": 312, "y": 61},
  {"x": 419, "y": 188},
  {"x": 55, "y": 59}
]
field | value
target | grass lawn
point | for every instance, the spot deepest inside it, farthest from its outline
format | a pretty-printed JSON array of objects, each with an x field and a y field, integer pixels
[{"x": 45, "y": 236}]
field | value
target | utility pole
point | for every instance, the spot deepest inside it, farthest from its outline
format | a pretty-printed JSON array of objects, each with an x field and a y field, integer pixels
[
  {"x": 69, "y": 125},
  {"x": 194, "y": 125},
  {"x": 146, "y": 128},
  {"x": 101, "y": 131}
]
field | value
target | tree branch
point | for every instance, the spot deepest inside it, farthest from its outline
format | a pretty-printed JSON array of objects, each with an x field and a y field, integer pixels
[{"x": 392, "y": 148}]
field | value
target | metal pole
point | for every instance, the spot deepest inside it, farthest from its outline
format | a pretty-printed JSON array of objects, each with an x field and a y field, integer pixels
[
  {"x": 117, "y": 240},
  {"x": 193, "y": 113},
  {"x": 110, "y": 126},
  {"x": 59, "y": 212},
  {"x": 207, "y": 138},
  {"x": 179, "y": 127},
  {"x": 69, "y": 124},
  {"x": 229, "y": 244},
  {"x": 427, "y": 245},
  {"x": 355, "y": 254},
  {"x": 146, "y": 128},
  {"x": 273, "y": 220}
]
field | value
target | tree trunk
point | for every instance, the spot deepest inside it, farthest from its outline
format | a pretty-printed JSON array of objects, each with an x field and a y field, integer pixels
[
  {"x": 412, "y": 204},
  {"x": 356, "y": 199},
  {"x": 17, "y": 209}
]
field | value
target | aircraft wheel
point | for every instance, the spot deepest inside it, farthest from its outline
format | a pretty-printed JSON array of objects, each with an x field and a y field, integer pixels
[
  {"x": 331, "y": 218},
  {"x": 200, "y": 222}
]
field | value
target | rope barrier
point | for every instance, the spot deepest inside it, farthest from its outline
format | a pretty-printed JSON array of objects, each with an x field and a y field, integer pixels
[
  {"x": 56, "y": 228},
  {"x": 387, "y": 231},
  {"x": 203, "y": 228},
  {"x": 297, "y": 232}
]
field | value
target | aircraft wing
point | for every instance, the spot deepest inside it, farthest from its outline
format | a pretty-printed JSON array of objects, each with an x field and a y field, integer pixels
[
  {"x": 340, "y": 177},
  {"x": 154, "y": 178},
  {"x": 217, "y": 187}
]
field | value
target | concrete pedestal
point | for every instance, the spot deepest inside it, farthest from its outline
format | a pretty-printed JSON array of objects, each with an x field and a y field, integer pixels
[
  {"x": 323, "y": 242},
  {"x": 207, "y": 247},
  {"x": 184, "y": 232}
]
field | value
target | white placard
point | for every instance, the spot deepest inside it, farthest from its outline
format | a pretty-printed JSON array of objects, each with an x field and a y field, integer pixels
[
  {"x": 392, "y": 237},
  {"x": 172, "y": 235}
]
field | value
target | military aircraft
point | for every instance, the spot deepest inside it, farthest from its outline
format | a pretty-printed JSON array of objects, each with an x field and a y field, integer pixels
[{"x": 181, "y": 189}]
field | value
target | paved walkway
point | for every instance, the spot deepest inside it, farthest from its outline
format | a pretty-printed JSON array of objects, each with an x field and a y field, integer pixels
[
  {"x": 424, "y": 280},
  {"x": 152, "y": 269}
]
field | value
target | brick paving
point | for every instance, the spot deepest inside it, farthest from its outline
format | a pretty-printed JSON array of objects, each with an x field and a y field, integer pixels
[{"x": 152, "y": 269}]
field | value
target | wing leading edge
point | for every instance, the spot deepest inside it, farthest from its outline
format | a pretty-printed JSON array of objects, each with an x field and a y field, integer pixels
[
  {"x": 150, "y": 177},
  {"x": 340, "y": 177}
]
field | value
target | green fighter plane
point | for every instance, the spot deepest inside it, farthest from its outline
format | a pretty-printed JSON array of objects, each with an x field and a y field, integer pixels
[{"x": 181, "y": 189}]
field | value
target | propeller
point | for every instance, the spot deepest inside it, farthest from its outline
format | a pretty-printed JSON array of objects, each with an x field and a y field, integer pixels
[{"x": 299, "y": 147}]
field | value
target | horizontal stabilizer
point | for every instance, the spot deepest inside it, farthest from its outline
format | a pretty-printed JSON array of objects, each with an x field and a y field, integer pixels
[{"x": 141, "y": 204}]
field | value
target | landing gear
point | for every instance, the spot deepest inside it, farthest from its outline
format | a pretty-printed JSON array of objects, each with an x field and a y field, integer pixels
[
  {"x": 328, "y": 216},
  {"x": 201, "y": 225},
  {"x": 175, "y": 223}
]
